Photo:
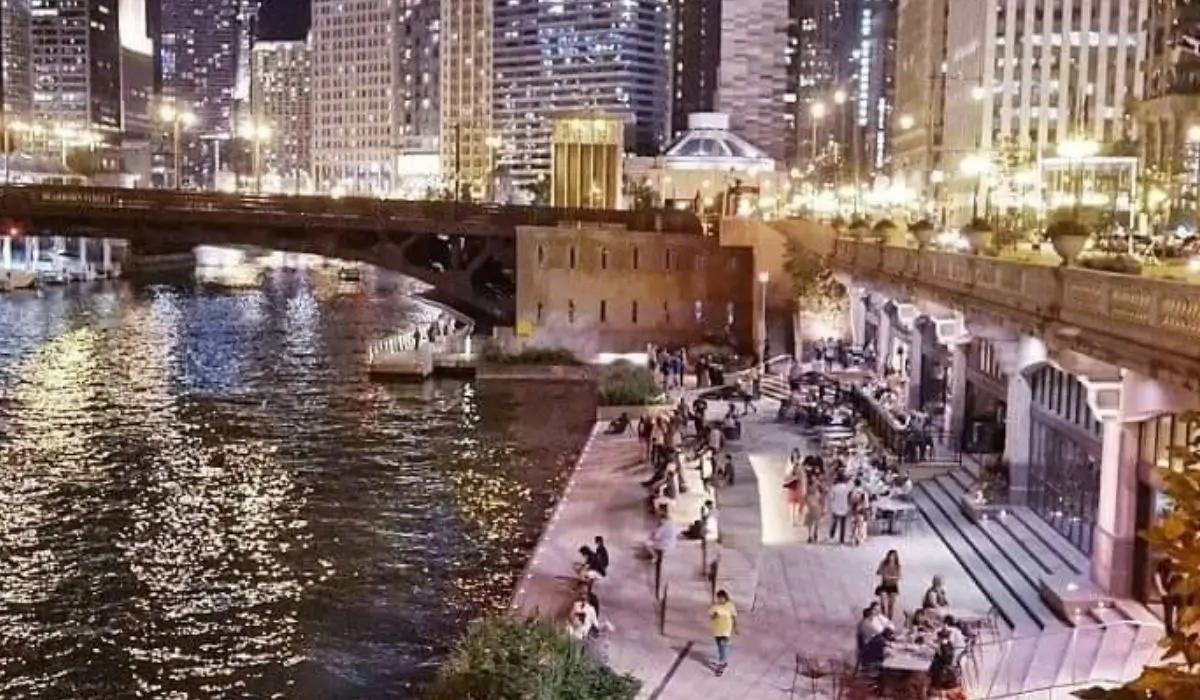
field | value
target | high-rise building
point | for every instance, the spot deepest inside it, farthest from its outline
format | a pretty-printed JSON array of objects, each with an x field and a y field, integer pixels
[
  {"x": 752, "y": 81},
  {"x": 137, "y": 93},
  {"x": 468, "y": 143},
  {"x": 1021, "y": 80},
  {"x": 202, "y": 58},
  {"x": 556, "y": 58},
  {"x": 374, "y": 90},
  {"x": 917, "y": 120},
  {"x": 1170, "y": 102},
  {"x": 280, "y": 91},
  {"x": 696, "y": 57},
  {"x": 16, "y": 77},
  {"x": 875, "y": 97},
  {"x": 76, "y": 66}
]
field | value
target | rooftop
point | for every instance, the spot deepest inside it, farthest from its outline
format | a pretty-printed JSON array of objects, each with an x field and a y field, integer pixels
[{"x": 708, "y": 144}]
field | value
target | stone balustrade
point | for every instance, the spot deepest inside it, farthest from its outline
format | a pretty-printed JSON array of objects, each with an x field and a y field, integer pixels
[{"x": 1147, "y": 324}]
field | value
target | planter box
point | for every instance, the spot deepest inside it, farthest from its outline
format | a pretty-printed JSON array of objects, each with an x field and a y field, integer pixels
[
  {"x": 607, "y": 413},
  {"x": 978, "y": 512},
  {"x": 534, "y": 373}
]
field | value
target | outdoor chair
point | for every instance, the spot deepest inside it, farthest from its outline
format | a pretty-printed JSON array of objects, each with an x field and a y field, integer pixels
[{"x": 814, "y": 670}]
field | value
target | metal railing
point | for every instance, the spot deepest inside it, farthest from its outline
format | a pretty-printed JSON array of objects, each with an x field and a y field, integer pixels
[{"x": 407, "y": 340}]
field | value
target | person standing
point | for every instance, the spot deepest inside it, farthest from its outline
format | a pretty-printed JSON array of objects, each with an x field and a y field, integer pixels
[
  {"x": 793, "y": 485},
  {"x": 814, "y": 510},
  {"x": 889, "y": 582},
  {"x": 723, "y": 621},
  {"x": 1166, "y": 582},
  {"x": 839, "y": 509}
]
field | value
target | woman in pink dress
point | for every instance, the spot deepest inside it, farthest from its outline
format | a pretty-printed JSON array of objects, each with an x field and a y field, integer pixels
[{"x": 793, "y": 484}]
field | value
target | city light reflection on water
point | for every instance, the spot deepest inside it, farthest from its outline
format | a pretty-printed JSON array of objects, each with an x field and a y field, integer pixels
[{"x": 203, "y": 496}]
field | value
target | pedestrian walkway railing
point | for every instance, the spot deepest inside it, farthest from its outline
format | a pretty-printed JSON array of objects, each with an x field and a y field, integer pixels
[
  {"x": 422, "y": 337},
  {"x": 1017, "y": 666}
]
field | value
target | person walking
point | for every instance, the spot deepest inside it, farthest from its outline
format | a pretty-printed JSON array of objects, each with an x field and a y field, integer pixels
[
  {"x": 723, "y": 621},
  {"x": 860, "y": 513},
  {"x": 814, "y": 510},
  {"x": 793, "y": 484},
  {"x": 839, "y": 509},
  {"x": 889, "y": 582}
]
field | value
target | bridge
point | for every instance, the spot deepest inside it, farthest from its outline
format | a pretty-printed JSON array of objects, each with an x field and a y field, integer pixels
[{"x": 465, "y": 251}]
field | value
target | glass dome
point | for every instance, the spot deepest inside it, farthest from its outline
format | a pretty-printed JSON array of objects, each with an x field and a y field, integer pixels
[{"x": 710, "y": 144}]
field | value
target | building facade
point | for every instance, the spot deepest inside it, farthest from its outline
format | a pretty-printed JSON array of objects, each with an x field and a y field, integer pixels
[
  {"x": 753, "y": 75},
  {"x": 280, "y": 92},
  {"x": 1171, "y": 90},
  {"x": 1020, "y": 80},
  {"x": 553, "y": 58},
  {"x": 586, "y": 161},
  {"x": 16, "y": 76},
  {"x": 696, "y": 56},
  {"x": 199, "y": 71},
  {"x": 917, "y": 118},
  {"x": 468, "y": 145},
  {"x": 76, "y": 61}
]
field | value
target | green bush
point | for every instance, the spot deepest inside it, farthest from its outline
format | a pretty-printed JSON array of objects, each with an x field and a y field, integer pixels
[
  {"x": 625, "y": 384},
  {"x": 1120, "y": 264},
  {"x": 502, "y": 657},
  {"x": 529, "y": 356}
]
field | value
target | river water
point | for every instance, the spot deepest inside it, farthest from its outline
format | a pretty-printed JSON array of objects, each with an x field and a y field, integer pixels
[{"x": 202, "y": 495}]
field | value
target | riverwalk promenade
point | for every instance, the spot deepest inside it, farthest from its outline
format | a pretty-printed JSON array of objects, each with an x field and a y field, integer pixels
[{"x": 796, "y": 602}]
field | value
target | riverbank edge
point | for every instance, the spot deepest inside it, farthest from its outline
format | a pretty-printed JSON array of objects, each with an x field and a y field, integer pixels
[
  {"x": 486, "y": 371},
  {"x": 527, "y": 572}
]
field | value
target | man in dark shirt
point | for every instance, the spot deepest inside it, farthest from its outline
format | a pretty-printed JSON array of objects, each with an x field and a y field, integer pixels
[
  {"x": 1166, "y": 581},
  {"x": 601, "y": 554}
]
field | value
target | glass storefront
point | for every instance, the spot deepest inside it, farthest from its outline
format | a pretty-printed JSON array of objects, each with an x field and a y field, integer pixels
[{"x": 1064, "y": 469}]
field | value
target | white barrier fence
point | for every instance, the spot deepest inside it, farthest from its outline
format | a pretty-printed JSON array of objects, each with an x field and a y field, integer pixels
[{"x": 446, "y": 335}]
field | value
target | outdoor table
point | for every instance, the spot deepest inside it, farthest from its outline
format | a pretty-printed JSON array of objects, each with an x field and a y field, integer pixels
[
  {"x": 964, "y": 616},
  {"x": 908, "y": 659},
  {"x": 894, "y": 507}
]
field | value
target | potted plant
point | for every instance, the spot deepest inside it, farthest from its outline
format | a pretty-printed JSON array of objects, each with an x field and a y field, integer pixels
[
  {"x": 883, "y": 231},
  {"x": 922, "y": 231},
  {"x": 859, "y": 228},
  {"x": 839, "y": 226},
  {"x": 979, "y": 234},
  {"x": 1068, "y": 237}
]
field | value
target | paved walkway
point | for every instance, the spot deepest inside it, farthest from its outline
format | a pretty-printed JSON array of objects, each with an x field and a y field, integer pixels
[{"x": 794, "y": 599}]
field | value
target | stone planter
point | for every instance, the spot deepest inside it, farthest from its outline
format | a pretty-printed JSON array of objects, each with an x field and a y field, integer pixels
[
  {"x": 923, "y": 232},
  {"x": 978, "y": 511},
  {"x": 1069, "y": 246},
  {"x": 980, "y": 240}
]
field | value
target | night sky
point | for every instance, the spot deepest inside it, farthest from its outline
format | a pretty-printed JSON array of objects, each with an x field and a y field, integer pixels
[{"x": 283, "y": 20}]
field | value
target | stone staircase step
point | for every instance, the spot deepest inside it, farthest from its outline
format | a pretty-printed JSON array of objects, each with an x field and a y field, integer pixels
[
  {"x": 1118, "y": 646},
  {"x": 1053, "y": 539}
]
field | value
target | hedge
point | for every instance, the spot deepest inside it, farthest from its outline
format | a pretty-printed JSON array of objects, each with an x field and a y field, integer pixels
[{"x": 623, "y": 383}]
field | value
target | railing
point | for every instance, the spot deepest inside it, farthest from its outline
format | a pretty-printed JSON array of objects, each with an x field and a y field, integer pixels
[
  {"x": 408, "y": 340},
  {"x": 1129, "y": 317},
  {"x": 1020, "y": 666},
  {"x": 29, "y": 200}
]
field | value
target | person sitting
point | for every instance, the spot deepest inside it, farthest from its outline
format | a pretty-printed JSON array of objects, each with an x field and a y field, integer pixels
[
  {"x": 663, "y": 539},
  {"x": 874, "y": 622},
  {"x": 726, "y": 470},
  {"x": 873, "y": 652},
  {"x": 957, "y": 635},
  {"x": 618, "y": 426},
  {"x": 577, "y": 627},
  {"x": 588, "y": 605},
  {"x": 935, "y": 597},
  {"x": 944, "y": 672},
  {"x": 591, "y": 569}
]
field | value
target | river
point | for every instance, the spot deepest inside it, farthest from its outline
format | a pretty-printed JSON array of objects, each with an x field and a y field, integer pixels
[{"x": 202, "y": 494}]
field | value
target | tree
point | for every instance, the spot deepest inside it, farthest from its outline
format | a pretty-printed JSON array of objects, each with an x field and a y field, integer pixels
[
  {"x": 641, "y": 195},
  {"x": 818, "y": 294},
  {"x": 1175, "y": 537},
  {"x": 502, "y": 657}
]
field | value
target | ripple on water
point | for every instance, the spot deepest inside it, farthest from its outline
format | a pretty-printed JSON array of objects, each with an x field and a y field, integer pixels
[{"x": 202, "y": 496}]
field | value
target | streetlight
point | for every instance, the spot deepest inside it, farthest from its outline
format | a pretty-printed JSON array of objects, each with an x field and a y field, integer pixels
[
  {"x": 978, "y": 93},
  {"x": 179, "y": 119},
  {"x": 839, "y": 96},
  {"x": 493, "y": 144},
  {"x": 763, "y": 278},
  {"x": 976, "y": 165},
  {"x": 257, "y": 132}
]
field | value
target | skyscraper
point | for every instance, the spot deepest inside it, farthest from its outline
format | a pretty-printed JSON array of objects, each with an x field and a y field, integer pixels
[
  {"x": 752, "y": 81},
  {"x": 696, "y": 57},
  {"x": 374, "y": 90},
  {"x": 16, "y": 77},
  {"x": 556, "y": 58},
  {"x": 1170, "y": 102},
  {"x": 280, "y": 91},
  {"x": 1021, "y": 79},
  {"x": 467, "y": 141},
  {"x": 137, "y": 92},
  {"x": 917, "y": 124},
  {"x": 201, "y": 47},
  {"x": 76, "y": 65}
]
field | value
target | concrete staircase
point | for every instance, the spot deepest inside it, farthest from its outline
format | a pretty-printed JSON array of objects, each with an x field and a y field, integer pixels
[{"x": 1008, "y": 557}]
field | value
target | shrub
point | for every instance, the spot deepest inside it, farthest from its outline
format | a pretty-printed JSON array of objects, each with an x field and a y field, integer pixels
[
  {"x": 625, "y": 384},
  {"x": 501, "y": 657},
  {"x": 1120, "y": 264},
  {"x": 529, "y": 356}
]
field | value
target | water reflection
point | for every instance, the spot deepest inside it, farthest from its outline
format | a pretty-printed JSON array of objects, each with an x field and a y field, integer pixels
[{"x": 202, "y": 496}]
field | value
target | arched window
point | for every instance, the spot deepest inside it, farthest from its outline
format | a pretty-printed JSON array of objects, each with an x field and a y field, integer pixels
[
  {"x": 540, "y": 309},
  {"x": 603, "y": 311}
]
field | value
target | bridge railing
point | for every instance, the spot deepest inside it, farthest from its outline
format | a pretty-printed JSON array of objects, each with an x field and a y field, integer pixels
[
  {"x": 26, "y": 199},
  {"x": 1125, "y": 317}
]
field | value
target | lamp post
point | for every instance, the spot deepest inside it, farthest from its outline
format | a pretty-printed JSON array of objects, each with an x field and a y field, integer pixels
[
  {"x": 977, "y": 166},
  {"x": 493, "y": 145},
  {"x": 1193, "y": 139},
  {"x": 817, "y": 112},
  {"x": 178, "y": 119},
  {"x": 257, "y": 132},
  {"x": 764, "y": 278}
]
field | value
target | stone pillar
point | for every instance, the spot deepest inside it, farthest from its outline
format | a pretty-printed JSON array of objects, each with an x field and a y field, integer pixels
[
  {"x": 83, "y": 257},
  {"x": 858, "y": 317},
  {"x": 916, "y": 357},
  {"x": 883, "y": 340},
  {"x": 1116, "y": 515},
  {"x": 31, "y": 251},
  {"x": 956, "y": 407},
  {"x": 6, "y": 252},
  {"x": 1018, "y": 423},
  {"x": 106, "y": 259}
]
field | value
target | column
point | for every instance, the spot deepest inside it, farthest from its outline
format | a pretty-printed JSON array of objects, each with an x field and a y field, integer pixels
[
  {"x": 883, "y": 343},
  {"x": 83, "y": 258},
  {"x": 956, "y": 406},
  {"x": 916, "y": 357},
  {"x": 106, "y": 259},
  {"x": 1018, "y": 423},
  {"x": 6, "y": 252},
  {"x": 1116, "y": 516},
  {"x": 31, "y": 251},
  {"x": 858, "y": 317}
]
